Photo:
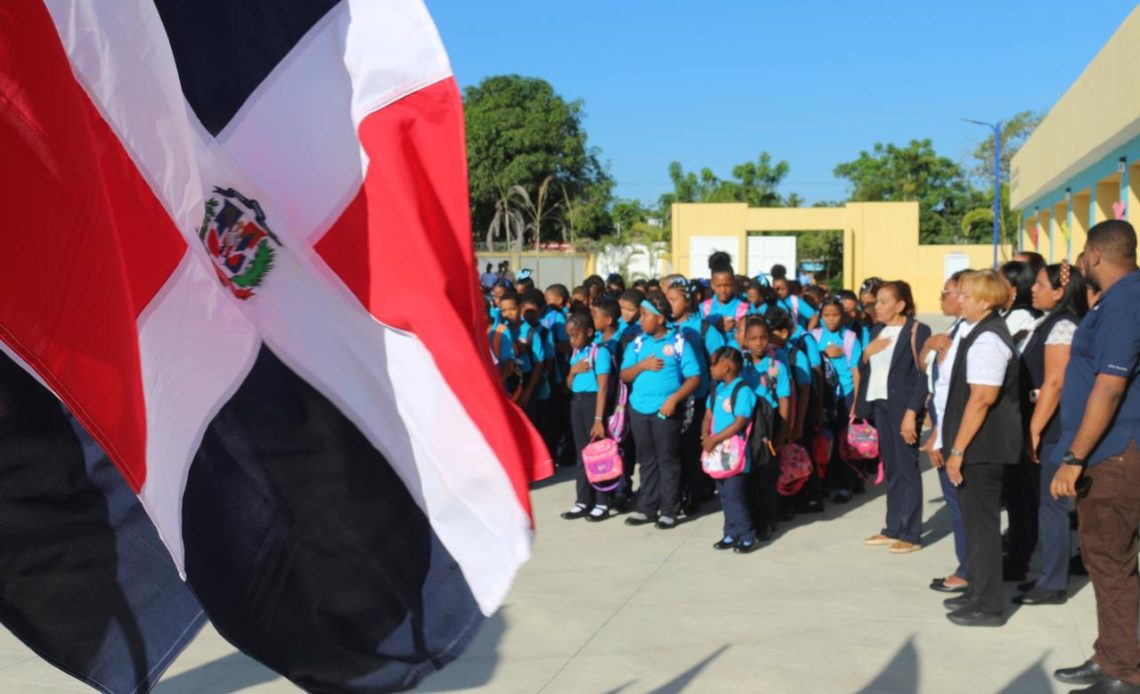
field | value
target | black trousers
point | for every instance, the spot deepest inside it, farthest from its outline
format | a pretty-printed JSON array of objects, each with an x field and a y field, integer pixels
[
  {"x": 904, "y": 480},
  {"x": 1022, "y": 494},
  {"x": 760, "y": 486},
  {"x": 659, "y": 457},
  {"x": 980, "y": 499},
  {"x": 694, "y": 481},
  {"x": 582, "y": 408}
]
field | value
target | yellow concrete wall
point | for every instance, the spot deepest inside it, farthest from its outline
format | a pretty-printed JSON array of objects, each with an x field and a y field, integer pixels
[
  {"x": 1080, "y": 225},
  {"x": 930, "y": 274},
  {"x": 706, "y": 219},
  {"x": 879, "y": 239},
  {"x": 1099, "y": 112}
]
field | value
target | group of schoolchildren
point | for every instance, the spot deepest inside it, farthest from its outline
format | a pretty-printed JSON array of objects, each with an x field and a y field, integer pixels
[{"x": 732, "y": 387}]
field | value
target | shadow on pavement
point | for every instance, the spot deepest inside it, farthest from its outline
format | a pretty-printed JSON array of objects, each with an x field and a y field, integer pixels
[
  {"x": 1034, "y": 679},
  {"x": 900, "y": 675},
  {"x": 226, "y": 674},
  {"x": 476, "y": 667},
  {"x": 678, "y": 683}
]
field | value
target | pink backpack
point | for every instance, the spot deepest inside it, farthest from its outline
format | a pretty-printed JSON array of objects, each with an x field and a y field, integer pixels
[
  {"x": 741, "y": 309},
  {"x": 615, "y": 423},
  {"x": 848, "y": 341},
  {"x": 729, "y": 457},
  {"x": 795, "y": 469},
  {"x": 862, "y": 441},
  {"x": 601, "y": 459}
]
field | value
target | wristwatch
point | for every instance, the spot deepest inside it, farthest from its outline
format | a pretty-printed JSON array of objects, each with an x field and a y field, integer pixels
[
  {"x": 955, "y": 452},
  {"x": 1070, "y": 459}
]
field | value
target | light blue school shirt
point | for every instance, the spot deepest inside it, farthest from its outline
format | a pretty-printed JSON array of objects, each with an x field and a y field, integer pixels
[
  {"x": 652, "y": 388},
  {"x": 844, "y": 365},
  {"x": 603, "y": 365},
  {"x": 691, "y": 329},
  {"x": 759, "y": 377}
]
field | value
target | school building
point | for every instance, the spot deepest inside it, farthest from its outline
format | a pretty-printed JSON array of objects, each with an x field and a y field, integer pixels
[{"x": 1082, "y": 164}]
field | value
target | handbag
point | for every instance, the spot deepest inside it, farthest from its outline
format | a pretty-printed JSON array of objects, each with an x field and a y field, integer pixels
[{"x": 861, "y": 441}]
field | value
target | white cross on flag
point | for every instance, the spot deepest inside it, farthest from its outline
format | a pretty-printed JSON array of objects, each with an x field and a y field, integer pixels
[{"x": 238, "y": 250}]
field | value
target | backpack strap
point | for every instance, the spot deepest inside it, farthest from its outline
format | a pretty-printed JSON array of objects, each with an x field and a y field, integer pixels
[
  {"x": 741, "y": 310},
  {"x": 913, "y": 339},
  {"x": 706, "y": 308},
  {"x": 817, "y": 334},
  {"x": 849, "y": 343},
  {"x": 592, "y": 356},
  {"x": 732, "y": 407},
  {"x": 497, "y": 341},
  {"x": 794, "y": 304}
]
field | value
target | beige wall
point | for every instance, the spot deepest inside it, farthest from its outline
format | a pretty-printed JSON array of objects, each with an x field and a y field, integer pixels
[
  {"x": 930, "y": 272},
  {"x": 1099, "y": 112},
  {"x": 879, "y": 239}
]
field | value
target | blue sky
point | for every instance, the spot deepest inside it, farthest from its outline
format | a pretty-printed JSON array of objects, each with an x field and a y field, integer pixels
[{"x": 714, "y": 83}]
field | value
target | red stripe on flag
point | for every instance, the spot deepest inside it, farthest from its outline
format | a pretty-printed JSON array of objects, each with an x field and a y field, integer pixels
[
  {"x": 404, "y": 248},
  {"x": 86, "y": 243}
]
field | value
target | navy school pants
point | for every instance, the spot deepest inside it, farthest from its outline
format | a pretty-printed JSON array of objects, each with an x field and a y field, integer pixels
[{"x": 904, "y": 480}]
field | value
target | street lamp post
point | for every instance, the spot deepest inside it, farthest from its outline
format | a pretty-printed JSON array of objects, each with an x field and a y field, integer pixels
[{"x": 996, "y": 127}]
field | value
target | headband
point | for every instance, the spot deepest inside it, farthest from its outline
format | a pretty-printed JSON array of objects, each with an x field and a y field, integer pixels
[
  {"x": 1066, "y": 272},
  {"x": 650, "y": 307}
]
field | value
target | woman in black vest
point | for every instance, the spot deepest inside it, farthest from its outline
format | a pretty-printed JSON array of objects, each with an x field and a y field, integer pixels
[
  {"x": 981, "y": 436},
  {"x": 892, "y": 391},
  {"x": 1060, "y": 292}
]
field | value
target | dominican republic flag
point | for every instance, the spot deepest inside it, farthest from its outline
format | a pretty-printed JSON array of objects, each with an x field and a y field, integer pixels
[{"x": 236, "y": 248}]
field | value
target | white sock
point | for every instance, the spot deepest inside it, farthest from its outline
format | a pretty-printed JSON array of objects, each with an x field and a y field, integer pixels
[
  {"x": 599, "y": 511},
  {"x": 577, "y": 507}
]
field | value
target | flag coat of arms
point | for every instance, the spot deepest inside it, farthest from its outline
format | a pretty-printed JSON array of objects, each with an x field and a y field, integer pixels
[{"x": 238, "y": 251}]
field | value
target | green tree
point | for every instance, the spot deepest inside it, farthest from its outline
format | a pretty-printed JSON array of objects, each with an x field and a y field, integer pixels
[
  {"x": 979, "y": 221},
  {"x": 520, "y": 132},
  {"x": 1014, "y": 132},
  {"x": 755, "y": 182},
  {"x": 914, "y": 173}
]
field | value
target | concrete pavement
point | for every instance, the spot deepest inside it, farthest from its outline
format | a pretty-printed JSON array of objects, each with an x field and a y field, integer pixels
[{"x": 609, "y": 608}]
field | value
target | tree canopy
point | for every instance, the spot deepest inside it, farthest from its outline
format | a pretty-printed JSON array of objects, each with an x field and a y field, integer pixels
[
  {"x": 914, "y": 173},
  {"x": 520, "y": 132}
]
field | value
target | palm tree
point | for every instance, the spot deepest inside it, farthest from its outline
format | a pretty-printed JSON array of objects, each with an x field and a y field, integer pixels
[
  {"x": 508, "y": 221},
  {"x": 540, "y": 211}
]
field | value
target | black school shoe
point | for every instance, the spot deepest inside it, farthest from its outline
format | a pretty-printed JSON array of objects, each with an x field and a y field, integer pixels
[
  {"x": 746, "y": 546},
  {"x": 574, "y": 514},
  {"x": 970, "y": 617},
  {"x": 725, "y": 542},
  {"x": 1040, "y": 596},
  {"x": 637, "y": 518},
  {"x": 1087, "y": 672},
  {"x": 666, "y": 523},
  {"x": 1110, "y": 685},
  {"x": 939, "y": 584}
]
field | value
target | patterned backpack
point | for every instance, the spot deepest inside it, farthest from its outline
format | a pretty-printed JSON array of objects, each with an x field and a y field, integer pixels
[
  {"x": 729, "y": 457},
  {"x": 795, "y": 469},
  {"x": 861, "y": 442}
]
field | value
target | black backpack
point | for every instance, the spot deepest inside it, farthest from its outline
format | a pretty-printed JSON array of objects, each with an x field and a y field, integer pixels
[{"x": 763, "y": 431}]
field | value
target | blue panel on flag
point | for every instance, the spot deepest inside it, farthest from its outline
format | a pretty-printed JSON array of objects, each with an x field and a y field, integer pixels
[
  {"x": 224, "y": 49},
  {"x": 84, "y": 579},
  {"x": 307, "y": 550}
]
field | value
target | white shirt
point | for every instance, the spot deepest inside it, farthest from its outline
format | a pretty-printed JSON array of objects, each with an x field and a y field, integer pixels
[
  {"x": 1017, "y": 320},
  {"x": 987, "y": 360},
  {"x": 881, "y": 364},
  {"x": 941, "y": 389}
]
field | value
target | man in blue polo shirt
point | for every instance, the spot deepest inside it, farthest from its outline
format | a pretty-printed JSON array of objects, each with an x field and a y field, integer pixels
[{"x": 1100, "y": 423}]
